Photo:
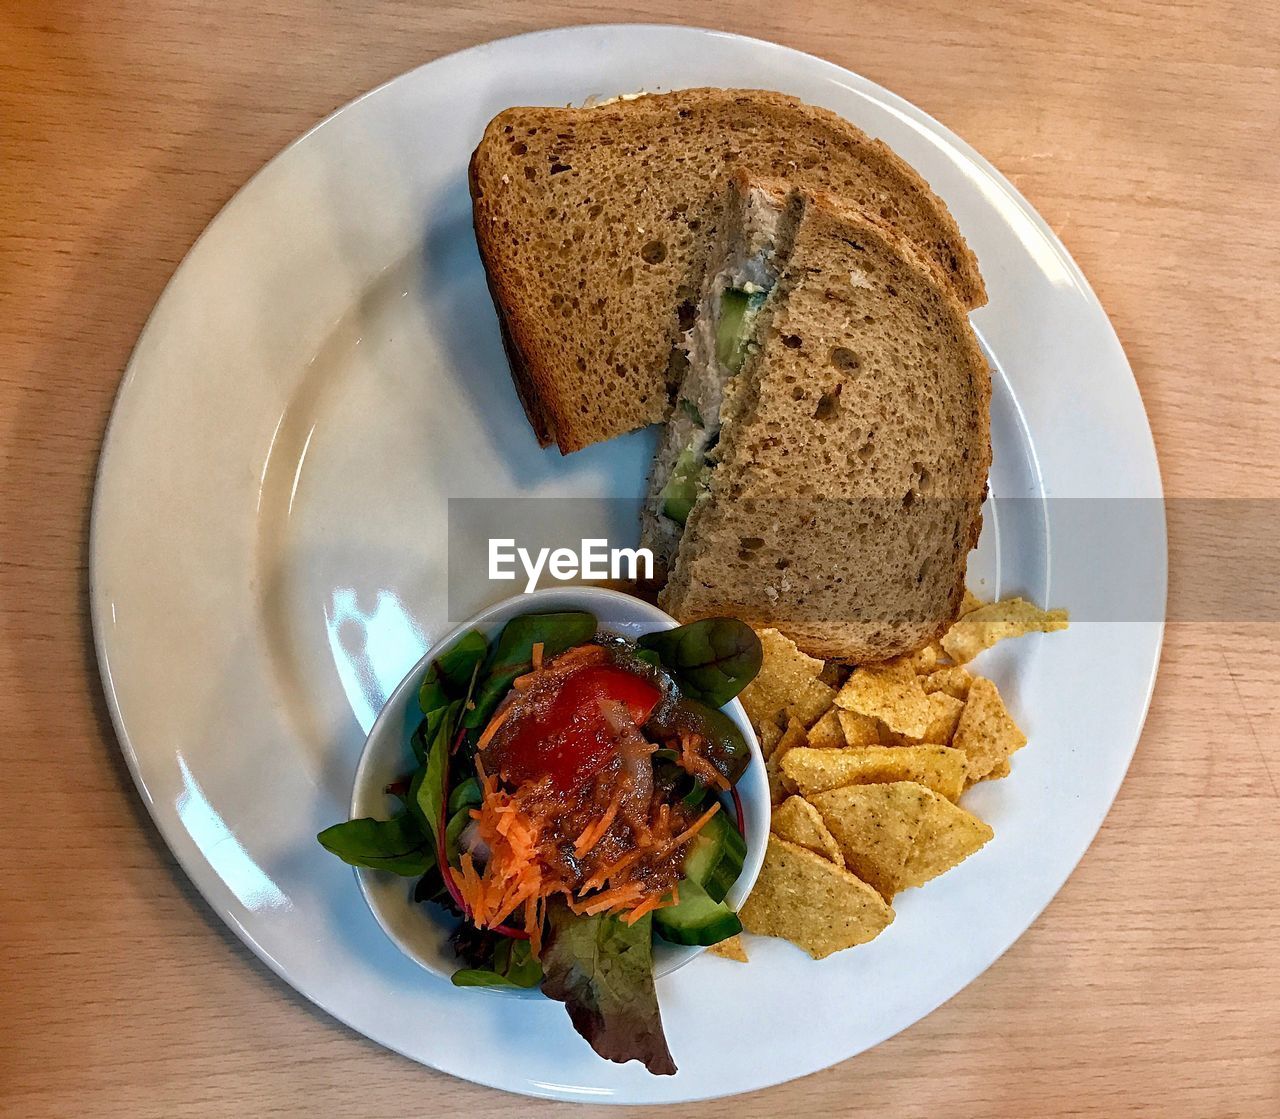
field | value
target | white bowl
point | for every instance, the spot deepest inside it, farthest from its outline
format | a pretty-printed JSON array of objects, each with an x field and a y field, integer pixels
[{"x": 421, "y": 931}]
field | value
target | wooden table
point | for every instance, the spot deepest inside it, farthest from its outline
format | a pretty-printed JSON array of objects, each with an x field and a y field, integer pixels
[{"x": 1145, "y": 133}]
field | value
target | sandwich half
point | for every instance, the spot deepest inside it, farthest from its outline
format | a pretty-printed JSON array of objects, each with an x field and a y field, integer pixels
[
  {"x": 825, "y": 463},
  {"x": 593, "y": 226}
]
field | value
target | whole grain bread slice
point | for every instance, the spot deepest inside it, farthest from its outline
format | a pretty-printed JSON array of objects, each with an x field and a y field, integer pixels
[
  {"x": 846, "y": 488},
  {"x": 594, "y": 223}
]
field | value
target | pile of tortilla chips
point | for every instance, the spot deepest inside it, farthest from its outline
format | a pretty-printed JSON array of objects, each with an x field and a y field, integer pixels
[{"x": 866, "y": 772}]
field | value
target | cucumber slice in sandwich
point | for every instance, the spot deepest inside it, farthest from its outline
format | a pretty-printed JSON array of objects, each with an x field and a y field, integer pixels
[
  {"x": 833, "y": 489},
  {"x": 735, "y": 330},
  {"x": 734, "y": 335},
  {"x": 734, "y": 300}
]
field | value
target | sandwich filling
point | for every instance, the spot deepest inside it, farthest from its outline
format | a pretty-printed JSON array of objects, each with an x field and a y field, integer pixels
[{"x": 722, "y": 338}]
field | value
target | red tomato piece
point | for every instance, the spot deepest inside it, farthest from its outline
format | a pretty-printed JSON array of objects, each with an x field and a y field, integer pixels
[{"x": 566, "y": 736}]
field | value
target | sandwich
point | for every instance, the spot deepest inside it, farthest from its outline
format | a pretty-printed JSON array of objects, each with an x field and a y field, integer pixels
[
  {"x": 826, "y": 459},
  {"x": 594, "y": 224}
]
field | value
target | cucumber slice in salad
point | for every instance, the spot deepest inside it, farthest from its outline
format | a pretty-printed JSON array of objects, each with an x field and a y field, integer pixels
[
  {"x": 697, "y": 920},
  {"x": 711, "y": 868},
  {"x": 716, "y": 856}
]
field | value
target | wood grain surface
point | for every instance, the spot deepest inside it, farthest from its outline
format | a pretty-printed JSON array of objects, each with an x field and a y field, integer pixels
[{"x": 1146, "y": 133}]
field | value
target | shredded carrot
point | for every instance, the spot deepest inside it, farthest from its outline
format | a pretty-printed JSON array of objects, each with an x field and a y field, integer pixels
[
  {"x": 652, "y": 902},
  {"x": 603, "y": 876},
  {"x": 534, "y": 914},
  {"x": 580, "y": 654},
  {"x": 487, "y": 736},
  {"x": 693, "y": 828},
  {"x": 694, "y": 762},
  {"x": 468, "y": 882},
  {"x": 513, "y": 874},
  {"x": 612, "y": 898},
  {"x": 595, "y": 831}
]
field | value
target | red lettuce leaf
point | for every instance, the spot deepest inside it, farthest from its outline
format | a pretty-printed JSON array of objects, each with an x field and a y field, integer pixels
[{"x": 602, "y": 970}]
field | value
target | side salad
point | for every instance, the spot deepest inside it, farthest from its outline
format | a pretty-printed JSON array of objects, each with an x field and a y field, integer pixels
[{"x": 574, "y": 799}]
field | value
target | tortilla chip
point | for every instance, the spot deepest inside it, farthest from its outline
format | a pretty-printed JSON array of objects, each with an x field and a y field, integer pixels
[
  {"x": 889, "y": 692},
  {"x": 787, "y": 685},
  {"x": 876, "y": 828},
  {"x": 944, "y": 717},
  {"x": 954, "y": 680},
  {"x": 986, "y": 733},
  {"x": 808, "y": 704},
  {"x": 927, "y": 658},
  {"x": 798, "y": 822},
  {"x": 811, "y": 902},
  {"x": 833, "y": 674},
  {"x": 1000, "y": 771},
  {"x": 983, "y": 627},
  {"x": 731, "y": 949},
  {"x": 970, "y": 603},
  {"x": 769, "y": 734},
  {"x": 859, "y": 730},
  {"x": 780, "y": 785},
  {"x": 826, "y": 734},
  {"x": 939, "y": 768},
  {"x": 948, "y": 836}
]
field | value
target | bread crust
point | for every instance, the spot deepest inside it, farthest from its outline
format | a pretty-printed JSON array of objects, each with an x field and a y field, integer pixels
[
  {"x": 522, "y": 375},
  {"x": 574, "y": 389}
]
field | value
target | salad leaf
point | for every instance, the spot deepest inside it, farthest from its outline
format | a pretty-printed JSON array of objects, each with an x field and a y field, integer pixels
[
  {"x": 465, "y": 794},
  {"x": 422, "y": 738},
  {"x": 696, "y": 794},
  {"x": 513, "y": 966},
  {"x": 430, "y": 887},
  {"x": 426, "y": 793},
  {"x": 475, "y": 947},
  {"x": 602, "y": 970},
  {"x": 649, "y": 656},
  {"x": 457, "y": 823},
  {"x": 724, "y": 745},
  {"x": 397, "y": 845},
  {"x": 711, "y": 660},
  {"x": 513, "y": 655},
  {"x": 462, "y": 799},
  {"x": 450, "y": 673}
]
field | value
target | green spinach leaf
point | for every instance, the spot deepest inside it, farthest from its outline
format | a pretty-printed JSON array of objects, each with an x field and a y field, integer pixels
[
  {"x": 711, "y": 660},
  {"x": 457, "y": 822},
  {"x": 463, "y": 798},
  {"x": 602, "y": 970},
  {"x": 422, "y": 738},
  {"x": 465, "y": 794},
  {"x": 513, "y": 966},
  {"x": 397, "y": 845},
  {"x": 723, "y": 744},
  {"x": 649, "y": 656},
  {"x": 449, "y": 674},
  {"x": 426, "y": 792},
  {"x": 513, "y": 655}
]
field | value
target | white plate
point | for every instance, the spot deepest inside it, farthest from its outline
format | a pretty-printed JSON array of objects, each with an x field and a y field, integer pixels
[{"x": 324, "y": 371}]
